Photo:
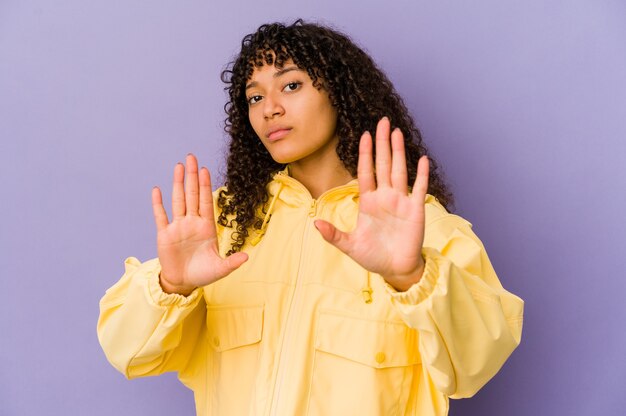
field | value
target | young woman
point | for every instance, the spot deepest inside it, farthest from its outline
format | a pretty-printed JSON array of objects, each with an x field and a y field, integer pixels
[{"x": 322, "y": 279}]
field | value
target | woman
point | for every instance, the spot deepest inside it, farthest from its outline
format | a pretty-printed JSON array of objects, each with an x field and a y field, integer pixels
[{"x": 297, "y": 289}]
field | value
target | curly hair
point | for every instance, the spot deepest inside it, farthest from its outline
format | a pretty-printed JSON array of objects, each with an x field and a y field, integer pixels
[{"x": 360, "y": 92}]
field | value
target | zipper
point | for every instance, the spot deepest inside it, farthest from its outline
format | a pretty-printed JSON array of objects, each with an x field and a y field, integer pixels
[
  {"x": 296, "y": 303},
  {"x": 313, "y": 209},
  {"x": 282, "y": 176},
  {"x": 292, "y": 314}
]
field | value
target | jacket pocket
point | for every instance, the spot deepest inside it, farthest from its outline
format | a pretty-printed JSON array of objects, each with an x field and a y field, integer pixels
[
  {"x": 361, "y": 366},
  {"x": 234, "y": 334}
]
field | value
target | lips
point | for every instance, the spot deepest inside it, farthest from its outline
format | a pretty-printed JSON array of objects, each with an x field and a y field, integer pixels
[{"x": 278, "y": 132}]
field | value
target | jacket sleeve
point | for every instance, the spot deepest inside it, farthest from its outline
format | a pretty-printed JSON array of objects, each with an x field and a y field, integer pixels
[
  {"x": 468, "y": 323},
  {"x": 144, "y": 331}
]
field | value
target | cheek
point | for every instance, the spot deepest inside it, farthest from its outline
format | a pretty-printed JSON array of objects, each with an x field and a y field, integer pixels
[
  {"x": 326, "y": 112},
  {"x": 329, "y": 117}
]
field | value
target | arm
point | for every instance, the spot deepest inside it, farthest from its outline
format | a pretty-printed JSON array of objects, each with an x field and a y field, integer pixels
[
  {"x": 467, "y": 322},
  {"x": 144, "y": 331}
]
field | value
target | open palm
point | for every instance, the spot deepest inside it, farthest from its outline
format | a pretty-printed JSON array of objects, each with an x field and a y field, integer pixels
[
  {"x": 187, "y": 246},
  {"x": 389, "y": 232}
]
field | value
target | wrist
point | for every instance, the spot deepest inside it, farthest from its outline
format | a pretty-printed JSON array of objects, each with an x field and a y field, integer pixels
[
  {"x": 402, "y": 283},
  {"x": 170, "y": 288}
]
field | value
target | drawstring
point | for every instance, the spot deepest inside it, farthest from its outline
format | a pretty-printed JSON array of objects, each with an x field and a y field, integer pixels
[
  {"x": 367, "y": 290},
  {"x": 260, "y": 233}
]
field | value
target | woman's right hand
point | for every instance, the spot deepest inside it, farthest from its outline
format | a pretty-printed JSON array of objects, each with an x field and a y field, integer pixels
[{"x": 187, "y": 246}]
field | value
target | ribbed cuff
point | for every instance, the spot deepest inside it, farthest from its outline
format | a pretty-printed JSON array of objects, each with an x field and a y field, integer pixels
[
  {"x": 426, "y": 285},
  {"x": 155, "y": 292}
]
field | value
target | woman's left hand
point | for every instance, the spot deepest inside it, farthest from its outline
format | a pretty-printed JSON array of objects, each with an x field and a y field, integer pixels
[{"x": 390, "y": 227}]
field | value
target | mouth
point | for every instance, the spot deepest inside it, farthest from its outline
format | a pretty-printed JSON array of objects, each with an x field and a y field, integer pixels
[{"x": 277, "y": 134}]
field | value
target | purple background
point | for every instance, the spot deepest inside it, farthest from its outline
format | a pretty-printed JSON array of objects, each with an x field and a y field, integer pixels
[{"x": 523, "y": 103}]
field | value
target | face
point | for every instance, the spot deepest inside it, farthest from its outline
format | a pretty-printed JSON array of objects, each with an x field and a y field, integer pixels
[{"x": 295, "y": 121}]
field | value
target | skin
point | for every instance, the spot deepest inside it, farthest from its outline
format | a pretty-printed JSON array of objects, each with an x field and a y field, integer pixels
[
  {"x": 389, "y": 233},
  {"x": 286, "y": 97}
]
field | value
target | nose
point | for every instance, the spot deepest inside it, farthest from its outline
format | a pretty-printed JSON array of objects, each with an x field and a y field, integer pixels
[{"x": 272, "y": 107}]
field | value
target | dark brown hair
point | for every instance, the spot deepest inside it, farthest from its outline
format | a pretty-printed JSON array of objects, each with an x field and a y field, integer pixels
[{"x": 358, "y": 89}]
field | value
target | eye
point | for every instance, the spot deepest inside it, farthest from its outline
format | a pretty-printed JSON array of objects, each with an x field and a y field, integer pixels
[
  {"x": 292, "y": 86},
  {"x": 254, "y": 99}
]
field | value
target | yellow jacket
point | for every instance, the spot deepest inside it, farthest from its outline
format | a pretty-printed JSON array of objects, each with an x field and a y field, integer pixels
[{"x": 301, "y": 329}]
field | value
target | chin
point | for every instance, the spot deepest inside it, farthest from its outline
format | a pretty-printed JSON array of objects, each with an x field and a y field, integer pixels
[
  {"x": 283, "y": 161},
  {"x": 283, "y": 158}
]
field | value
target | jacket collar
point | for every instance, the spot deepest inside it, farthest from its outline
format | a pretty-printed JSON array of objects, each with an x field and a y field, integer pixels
[{"x": 290, "y": 191}]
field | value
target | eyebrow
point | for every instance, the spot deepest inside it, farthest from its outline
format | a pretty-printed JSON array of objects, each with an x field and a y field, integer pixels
[{"x": 277, "y": 74}]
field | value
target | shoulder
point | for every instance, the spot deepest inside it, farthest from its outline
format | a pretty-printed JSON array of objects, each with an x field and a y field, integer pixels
[
  {"x": 436, "y": 214},
  {"x": 450, "y": 233}
]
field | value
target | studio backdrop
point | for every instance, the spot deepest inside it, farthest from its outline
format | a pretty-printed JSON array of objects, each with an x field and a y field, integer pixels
[{"x": 523, "y": 104}]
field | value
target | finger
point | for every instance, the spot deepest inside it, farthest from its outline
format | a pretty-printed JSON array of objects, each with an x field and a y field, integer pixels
[
  {"x": 191, "y": 185},
  {"x": 333, "y": 235},
  {"x": 421, "y": 180},
  {"x": 231, "y": 263},
  {"x": 160, "y": 216},
  {"x": 206, "y": 195},
  {"x": 398, "y": 162},
  {"x": 383, "y": 154},
  {"x": 178, "y": 192},
  {"x": 365, "y": 167}
]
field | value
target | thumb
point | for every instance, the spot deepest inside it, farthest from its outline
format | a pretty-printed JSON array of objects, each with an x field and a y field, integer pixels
[
  {"x": 333, "y": 235},
  {"x": 231, "y": 263}
]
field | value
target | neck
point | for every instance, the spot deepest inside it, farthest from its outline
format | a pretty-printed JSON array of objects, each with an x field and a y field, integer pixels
[{"x": 319, "y": 179}]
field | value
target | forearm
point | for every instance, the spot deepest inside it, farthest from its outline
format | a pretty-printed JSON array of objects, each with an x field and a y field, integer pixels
[
  {"x": 467, "y": 327},
  {"x": 140, "y": 326}
]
